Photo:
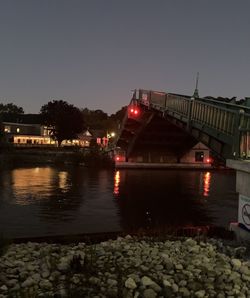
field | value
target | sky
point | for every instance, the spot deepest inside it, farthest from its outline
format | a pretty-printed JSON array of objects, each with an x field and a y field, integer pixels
[{"x": 92, "y": 53}]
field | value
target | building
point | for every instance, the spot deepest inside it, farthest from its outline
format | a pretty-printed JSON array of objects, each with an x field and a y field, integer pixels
[{"x": 25, "y": 130}]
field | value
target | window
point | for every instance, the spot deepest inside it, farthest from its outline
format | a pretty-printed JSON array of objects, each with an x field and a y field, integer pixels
[
  {"x": 199, "y": 156},
  {"x": 7, "y": 129}
]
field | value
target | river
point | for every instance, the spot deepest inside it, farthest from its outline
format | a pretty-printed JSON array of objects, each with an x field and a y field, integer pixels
[{"x": 45, "y": 201}]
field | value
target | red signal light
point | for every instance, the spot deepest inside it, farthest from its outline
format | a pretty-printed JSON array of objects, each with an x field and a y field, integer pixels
[
  {"x": 208, "y": 160},
  {"x": 117, "y": 158},
  {"x": 134, "y": 111}
]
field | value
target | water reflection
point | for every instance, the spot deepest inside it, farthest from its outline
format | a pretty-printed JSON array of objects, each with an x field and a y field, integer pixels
[
  {"x": 206, "y": 183},
  {"x": 63, "y": 183},
  {"x": 151, "y": 199},
  {"x": 31, "y": 185},
  {"x": 117, "y": 181},
  {"x": 60, "y": 200}
]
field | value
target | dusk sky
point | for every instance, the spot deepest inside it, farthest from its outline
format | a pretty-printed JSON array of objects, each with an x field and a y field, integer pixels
[{"x": 93, "y": 53}]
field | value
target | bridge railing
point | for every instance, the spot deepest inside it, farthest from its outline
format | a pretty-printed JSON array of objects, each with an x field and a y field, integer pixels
[
  {"x": 224, "y": 119},
  {"x": 177, "y": 104},
  {"x": 216, "y": 117}
]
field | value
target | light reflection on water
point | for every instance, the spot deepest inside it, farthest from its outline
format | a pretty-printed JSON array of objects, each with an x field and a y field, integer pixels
[
  {"x": 50, "y": 201},
  {"x": 31, "y": 185},
  {"x": 206, "y": 183},
  {"x": 117, "y": 181}
]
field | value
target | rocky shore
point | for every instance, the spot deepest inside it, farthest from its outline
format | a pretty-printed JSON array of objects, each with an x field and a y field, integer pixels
[{"x": 126, "y": 267}]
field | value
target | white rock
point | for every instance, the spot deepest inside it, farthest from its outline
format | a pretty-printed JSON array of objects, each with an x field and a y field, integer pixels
[
  {"x": 200, "y": 293},
  {"x": 236, "y": 263},
  {"x": 130, "y": 283},
  {"x": 146, "y": 281}
]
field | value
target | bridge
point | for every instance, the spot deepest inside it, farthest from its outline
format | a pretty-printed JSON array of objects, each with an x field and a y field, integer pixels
[
  {"x": 176, "y": 122},
  {"x": 166, "y": 125}
]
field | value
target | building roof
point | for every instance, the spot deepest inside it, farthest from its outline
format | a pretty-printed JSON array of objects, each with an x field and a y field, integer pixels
[{"x": 21, "y": 118}]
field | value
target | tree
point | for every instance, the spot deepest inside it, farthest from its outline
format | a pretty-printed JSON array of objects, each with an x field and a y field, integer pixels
[
  {"x": 10, "y": 108},
  {"x": 64, "y": 120},
  {"x": 95, "y": 119}
]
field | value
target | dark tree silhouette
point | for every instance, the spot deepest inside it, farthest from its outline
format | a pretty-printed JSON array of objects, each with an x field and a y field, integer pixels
[
  {"x": 10, "y": 108},
  {"x": 64, "y": 120}
]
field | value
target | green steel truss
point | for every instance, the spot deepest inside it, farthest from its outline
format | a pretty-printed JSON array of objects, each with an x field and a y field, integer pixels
[{"x": 223, "y": 127}]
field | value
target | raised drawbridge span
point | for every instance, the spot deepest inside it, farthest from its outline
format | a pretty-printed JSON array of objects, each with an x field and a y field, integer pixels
[{"x": 222, "y": 126}]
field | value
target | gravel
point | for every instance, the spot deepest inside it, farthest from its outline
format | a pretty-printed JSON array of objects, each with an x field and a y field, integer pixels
[{"x": 126, "y": 267}]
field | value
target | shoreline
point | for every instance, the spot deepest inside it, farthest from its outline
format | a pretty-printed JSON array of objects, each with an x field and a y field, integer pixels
[{"x": 171, "y": 232}]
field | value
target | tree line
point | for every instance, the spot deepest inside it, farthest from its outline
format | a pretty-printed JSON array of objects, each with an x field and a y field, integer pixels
[{"x": 65, "y": 121}]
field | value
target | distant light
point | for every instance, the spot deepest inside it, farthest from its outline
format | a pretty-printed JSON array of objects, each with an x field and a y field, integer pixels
[
  {"x": 112, "y": 134},
  {"x": 136, "y": 112},
  {"x": 132, "y": 110},
  {"x": 208, "y": 160},
  {"x": 117, "y": 158}
]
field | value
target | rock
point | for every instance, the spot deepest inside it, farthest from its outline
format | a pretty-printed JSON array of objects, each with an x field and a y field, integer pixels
[
  {"x": 184, "y": 291},
  {"x": 245, "y": 277},
  {"x": 45, "y": 274},
  {"x": 245, "y": 270},
  {"x": 175, "y": 287},
  {"x": 200, "y": 293},
  {"x": 166, "y": 283},
  {"x": 178, "y": 267},
  {"x": 149, "y": 293},
  {"x": 94, "y": 280},
  {"x": 130, "y": 283},
  {"x": 236, "y": 263},
  {"x": 155, "y": 287},
  {"x": 146, "y": 281},
  {"x": 36, "y": 277},
  {"x": 28, "y": 282},
  {"x": 239, "y": 252},
  {"x": 12, "y": 282},
  {"x": 4, "y": 288},
  {"x": 64, "y": 264},
  {"x": 45, "y": 284},
  {"x": 190, "y": 242},
  {"x": 111, "y": 282}
]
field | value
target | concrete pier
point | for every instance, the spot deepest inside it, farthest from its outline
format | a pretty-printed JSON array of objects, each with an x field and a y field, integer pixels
[
  {"x": 141, "y": 165},
  {"x": 242, "y": 227}
]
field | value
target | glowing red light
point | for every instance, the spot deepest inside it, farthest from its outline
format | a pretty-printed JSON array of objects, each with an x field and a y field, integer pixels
[
  {"x": 208, "y": 160},
  {"x": 117, "y": 158},
  {"x": 136, "y": 112},
  {"x": 132, "y": 110}
]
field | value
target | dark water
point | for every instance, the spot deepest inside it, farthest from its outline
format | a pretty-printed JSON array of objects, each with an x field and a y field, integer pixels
[{"x": 46, "y": 201}]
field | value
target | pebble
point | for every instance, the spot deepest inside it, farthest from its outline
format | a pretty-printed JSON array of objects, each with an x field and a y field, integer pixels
[{"x": 130, "y": 283}]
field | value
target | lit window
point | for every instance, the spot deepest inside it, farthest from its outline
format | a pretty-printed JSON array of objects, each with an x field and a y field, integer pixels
[{"x": 7, "y": 129}]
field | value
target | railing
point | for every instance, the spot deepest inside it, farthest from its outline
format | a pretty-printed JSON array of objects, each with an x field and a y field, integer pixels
[{"x": 229, "y": 120}]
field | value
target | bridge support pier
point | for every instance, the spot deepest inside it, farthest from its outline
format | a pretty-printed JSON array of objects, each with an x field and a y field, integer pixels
[{"x": 242, "y": 227}]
